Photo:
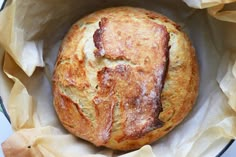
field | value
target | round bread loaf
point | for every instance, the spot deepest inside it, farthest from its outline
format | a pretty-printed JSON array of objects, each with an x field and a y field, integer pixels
[{"x": 124, "y": 77}]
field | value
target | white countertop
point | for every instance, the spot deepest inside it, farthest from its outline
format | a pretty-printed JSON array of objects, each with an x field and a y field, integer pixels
[
  {"x": 1, "y": 2},
  {"x": 231, "y": 151}
]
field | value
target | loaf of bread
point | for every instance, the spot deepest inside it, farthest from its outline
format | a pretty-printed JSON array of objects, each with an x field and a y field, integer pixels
[{"x": 124, "y": 77}]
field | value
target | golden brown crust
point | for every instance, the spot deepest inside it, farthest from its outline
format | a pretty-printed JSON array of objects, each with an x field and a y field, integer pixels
[{"x": 111, "y": 80}]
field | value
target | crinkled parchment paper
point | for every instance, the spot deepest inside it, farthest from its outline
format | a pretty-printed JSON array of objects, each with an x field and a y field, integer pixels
[{"x": 30, "y": 35}]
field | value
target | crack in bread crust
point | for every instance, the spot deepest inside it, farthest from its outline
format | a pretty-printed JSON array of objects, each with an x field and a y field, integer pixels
[{"x": 145, "y": 44}]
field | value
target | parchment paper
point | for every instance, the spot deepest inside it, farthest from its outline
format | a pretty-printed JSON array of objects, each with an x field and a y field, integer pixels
[{"x": 31, "y": 32}]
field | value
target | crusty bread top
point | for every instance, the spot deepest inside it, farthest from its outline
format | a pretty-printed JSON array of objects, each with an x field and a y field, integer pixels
[{"x": 110, "y": 73}]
